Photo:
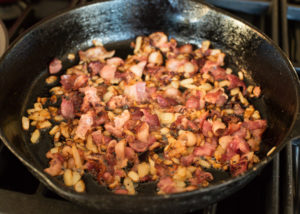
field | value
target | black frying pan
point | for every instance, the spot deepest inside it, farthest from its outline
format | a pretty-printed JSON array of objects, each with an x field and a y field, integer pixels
[{"x": 24, "y": 68}]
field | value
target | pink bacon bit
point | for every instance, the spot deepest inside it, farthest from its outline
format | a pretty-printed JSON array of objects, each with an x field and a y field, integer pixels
[
  {"x": 85, "y": 123},
  {"x": 67, "y": 109},
  {"x": 55, "y": 66}
]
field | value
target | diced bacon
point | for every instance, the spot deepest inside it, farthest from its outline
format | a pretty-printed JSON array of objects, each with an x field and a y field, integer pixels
[
  {"x": 120, "y": 154},
  {"x": 119, "y": 121},
  {"x": 108, "y": 72},
  {"x": 80, "y": 81},
  {"x": 192, "y": 103},
  {"x": 236, "y": 146},
  {"x": 187, "y": 49},
  {"x": 139, "y": 146},
  {"x": 235, "y": 82},
  {"x": 206, "y": 128},
  {"x": 97, "y": 53},
  {"x": 217, "y": 97},
  {"x": 224, "y": 141},
  {"x": 101, "y": 118},
  {"x": 206, "y": 150},
  {"x": 202, "y": 176},
  {"x": 95, "y": 67},
  {"x": 55, "y": 66},
  {"x": 209, "y": 66},
  {"x": 67, "y": 81},
  {"x": 116, "y": 61},
  {"x": 218, "y": 127},
  {"x": 90, "y": 97},
  {"x": 256, "y": 124},
  {"x": 257, "y": 133},
  {"x": 238, "y": 110},
  {"x": 155, "y": 58},
  {"x": 219, "y": 73},
  {"x": 165, "y": 102},
  {"x": 130, "y": 154},
  {"x": 67, "y": 109},
  {"x": 151, "y": 119},
  {"x": 116, "y": 102},
  {"x": 254, "y": 144},
  {"x": 238, "y": 168},
  {"x": 138, "y": 68},
  {"x": 97, "y": 137},
  {"x": 121, "y": 191},
  {"x": 242, "y": 132},
  {"x": 187, "y": 160},
  {"x": 113, "y": 130},
  {"x": 137, "y": 91},
  {"x": 167, "y": 185},
  {"x": 174, "y": 64},
  {"x": 56, "y": 164},
  {"x": 200, "y": 120},
  {"x": 85, "y": 123},
  {"x": 158, "y": 39},
  {"x": 233, "y": 127},
  {"x": 143, "y": 132}
]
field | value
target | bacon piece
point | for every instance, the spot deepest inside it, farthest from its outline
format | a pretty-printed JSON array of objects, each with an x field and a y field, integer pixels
[
  {"x": 56, "y": 164},
  {"x": 165, "y": 102},
  {"x": 200, "y": 176},
  {"x": 187, "y": 49},
  {"x": 95, "y": 54},
  {"x": 216, "y": 97},
  {"x": 67, "y": 109},
  {"x": 206, "y": 150},
  {"x": 151, "y": 119},
  {"x": 137, "y": 91},
  {"x": 173, "y": 65},
  {"x": 120, "y": 120},
  {"x": 116, "y": 61},
  {"x": 80, "y": 81},
  {"x": 108, "y": 72},
  {"x": 187, "y": 160},
  {"x": 97, "y": 137},
  {"x": 238, "y": 168},
  {"x": 55, "y": 66},
  {"x": 90, "y": 97},
  {"x": 85, "y": 123},
  {"x": 139, "y": 146},
  {"x": 235, "y": 82},
  {"x": 121, "y": 191},
  {"x": 95, "y": 67},
  {"x": 208, "y": 66},
  {"x": 158, "y": 39},
  {"x": 142, "y": 133},
  {"x": 236, "y": 146},
  {"x": 113, "y": 130},
  {"x": 219, "y": 73},
  {"x": 138, "y": 68},
  {"x": 192, "y": 103},
  {"x": 130, "y": 154},
  {"x": 238, "y": 110},
  {"x": 67, "y": 81},
  {"x": 167, "y": 185},
  {"x": 256, "y": 124},
  {"x": 116, "y": 102},
  {"x": 206, "y": 128},
  {"x": 218, "y": 127},
  {"x": 155, "y": 58},
  {"x": 120, "y": 154}
]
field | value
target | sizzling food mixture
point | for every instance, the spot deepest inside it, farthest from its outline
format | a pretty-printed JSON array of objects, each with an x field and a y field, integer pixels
[{"x": 167, "y": 113}]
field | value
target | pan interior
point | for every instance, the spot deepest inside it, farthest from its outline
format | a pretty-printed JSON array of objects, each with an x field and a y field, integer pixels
[{"x": 24, "y": 67}]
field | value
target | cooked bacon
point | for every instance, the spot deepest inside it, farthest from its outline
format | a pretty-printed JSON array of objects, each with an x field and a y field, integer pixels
[
  {"x": 202, "y": 176},
  {"x": 80, "y": 81},
  {"x": 130, "y": 154},
  {"x": 187, "y": 49},
  {"x": 90, "y": 97},
  {"x": 95, "y": 54},
  {"x": 120, "y": 154},
  {"x": 67, "y": 109},
  {"x": 219, "y": 73},
  {"x": 206, "y": 150},
  {"x": 108, "y": 72},
  {"x": 67, "y": 81},
  {"x": 151, "y": 119},
  {"x": 113, "y": 130},
  {"x": 235, "y": 82},
  {"x": 85, "y": 123},
  {"x": 158, "y": 39},
  {"x": 55, "y": 66},
  {"x": 97, "y": 137},
  {"x": 116, "y": 102},
  {"x": 238, "y": 110},
  {"x": 137, "y": 91},
  {"x": 192, "y": 103},
  {"x": 208, "y": 66},
  {"x": 218, "y": 127},
  {"x": 139, "y": 146},
  {"x": 165, "y": 102},
  {"x": 187, "y": 160},
  {"x": 116, "y": 61},
  {"x": 56, "y": 164},
  {"x": 256, "y": 124},
  {"x": 216, "y": 97},
  {"x": 155, "y": 58},
  {"x": 238, "y": 168},
  {"x": 138, "y": 68},
  {"x": 95, "y": 67},
  {"x": 142, "y": 133},
  {"x": 119, "y": 121},
  {"x": 167, "y": 185},
  {"x": 206, "y": 128},
  {"x": 174, "y": 64}
]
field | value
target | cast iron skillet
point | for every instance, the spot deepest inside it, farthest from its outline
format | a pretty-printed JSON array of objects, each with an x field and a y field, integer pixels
[{"x": 24, "y": 67}]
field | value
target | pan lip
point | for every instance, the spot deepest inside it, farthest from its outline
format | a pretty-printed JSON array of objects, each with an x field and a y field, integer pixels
[{"x": 231, "y": 180}]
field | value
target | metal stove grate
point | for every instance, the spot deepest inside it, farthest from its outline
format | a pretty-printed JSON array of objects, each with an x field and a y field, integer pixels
[{"x": 270, "y": 192}]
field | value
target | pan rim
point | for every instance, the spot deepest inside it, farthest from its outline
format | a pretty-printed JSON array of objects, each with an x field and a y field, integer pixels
[{"x": 45, "y": 178}]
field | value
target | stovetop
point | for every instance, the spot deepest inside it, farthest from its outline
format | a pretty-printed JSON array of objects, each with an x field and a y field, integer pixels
[{"x": 272, "y": 191}]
